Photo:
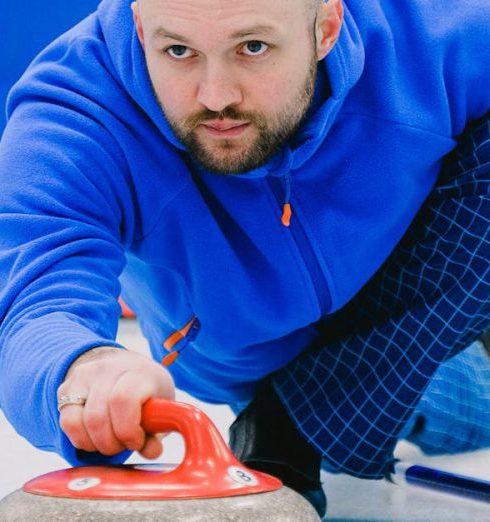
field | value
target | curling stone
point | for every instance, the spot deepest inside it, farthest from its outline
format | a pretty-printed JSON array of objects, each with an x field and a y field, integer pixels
[{"x": 210, "y": 484}]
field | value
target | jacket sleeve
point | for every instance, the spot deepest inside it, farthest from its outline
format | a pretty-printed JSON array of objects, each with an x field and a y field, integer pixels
[{"x": 65, "y": 219}]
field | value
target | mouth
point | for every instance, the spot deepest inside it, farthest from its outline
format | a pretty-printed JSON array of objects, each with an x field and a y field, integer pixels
[{"x": 225, "y": 128}]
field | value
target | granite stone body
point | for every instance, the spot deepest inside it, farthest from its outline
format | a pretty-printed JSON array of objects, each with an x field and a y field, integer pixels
[{"x": 283, "y": 505}]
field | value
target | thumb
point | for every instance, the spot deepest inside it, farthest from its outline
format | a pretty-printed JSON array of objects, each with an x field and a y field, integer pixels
[{"x": 153, "y": 446}]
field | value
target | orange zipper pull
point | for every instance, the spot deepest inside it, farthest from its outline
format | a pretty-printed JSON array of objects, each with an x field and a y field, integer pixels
[
  {"x": 174, "y": 339},
  {"x": 287, "y": 212},
  {"x": 178, "y": 335},
  {"x": 170, "y": 358}
]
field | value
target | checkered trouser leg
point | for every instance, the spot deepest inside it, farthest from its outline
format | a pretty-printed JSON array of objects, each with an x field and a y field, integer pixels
[
  {"x": 454, "y": 412},
  {"x": 352, "y": 395}
]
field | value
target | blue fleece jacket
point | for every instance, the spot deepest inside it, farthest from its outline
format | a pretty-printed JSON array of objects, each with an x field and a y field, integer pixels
[{"x": 96, "y": 187}]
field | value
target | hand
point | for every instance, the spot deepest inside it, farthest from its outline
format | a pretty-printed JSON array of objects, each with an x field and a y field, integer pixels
[{"x": 116, "y": 384}]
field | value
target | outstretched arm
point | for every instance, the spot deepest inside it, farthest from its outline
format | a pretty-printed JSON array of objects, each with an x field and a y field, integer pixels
[{"x": 66, "y": 217}]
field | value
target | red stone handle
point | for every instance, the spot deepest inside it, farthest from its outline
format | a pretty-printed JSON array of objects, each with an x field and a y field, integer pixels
[
  {"x": 209, "y": 468},
  {"x": 205, "y": 449}
]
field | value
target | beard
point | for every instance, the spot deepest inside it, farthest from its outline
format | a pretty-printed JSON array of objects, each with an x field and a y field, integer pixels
[{"x": 273, "y": 131}]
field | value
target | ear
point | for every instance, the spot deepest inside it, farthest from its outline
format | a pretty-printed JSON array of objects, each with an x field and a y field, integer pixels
[
  {"x": 137, "y": 23},
  {"x": 328, "y": 24}
]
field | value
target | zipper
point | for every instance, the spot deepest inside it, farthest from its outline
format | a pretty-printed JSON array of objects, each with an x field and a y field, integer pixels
[
  {"x": 306, "y": 251},
  {"x": 179, "y": 340}
]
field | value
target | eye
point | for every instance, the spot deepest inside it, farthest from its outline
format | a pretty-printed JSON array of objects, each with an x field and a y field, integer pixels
[
  {"x": 178, "y": 52},
  {"x": 255, "y": 48}
]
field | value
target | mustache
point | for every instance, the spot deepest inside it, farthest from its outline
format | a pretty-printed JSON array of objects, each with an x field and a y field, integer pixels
[{"x": 227, "y": 113}]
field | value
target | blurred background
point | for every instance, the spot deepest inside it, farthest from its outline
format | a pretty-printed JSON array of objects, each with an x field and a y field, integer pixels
[{"x": 26, "y": 27}]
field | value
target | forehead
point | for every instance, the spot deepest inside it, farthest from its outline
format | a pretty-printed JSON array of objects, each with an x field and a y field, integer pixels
[{"x": 215, "y": 13}]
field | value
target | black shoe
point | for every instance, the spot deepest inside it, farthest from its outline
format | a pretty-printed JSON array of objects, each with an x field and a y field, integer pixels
[
  {"x": 485, "y": 340},
  {"x": 265, "y": 438}
]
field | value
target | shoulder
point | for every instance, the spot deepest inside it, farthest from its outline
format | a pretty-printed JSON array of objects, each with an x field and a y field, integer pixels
[
  {"x": 436, "y": 52},
  {"x": 433, "y": 18}
]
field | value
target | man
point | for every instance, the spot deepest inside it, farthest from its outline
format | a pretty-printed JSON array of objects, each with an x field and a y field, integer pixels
[{"x": 270, "y": 179}]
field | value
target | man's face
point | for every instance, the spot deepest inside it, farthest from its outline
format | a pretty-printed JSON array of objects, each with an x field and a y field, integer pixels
[{"x": 233, "y": 77}]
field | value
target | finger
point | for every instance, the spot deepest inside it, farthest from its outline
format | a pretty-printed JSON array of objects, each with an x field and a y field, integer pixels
[
  {"x": 97, "y": 420},
  {"x": 130, "y": 392},
  {"x": 71, "y": 422},
  {"x": 152, "y": 448}
]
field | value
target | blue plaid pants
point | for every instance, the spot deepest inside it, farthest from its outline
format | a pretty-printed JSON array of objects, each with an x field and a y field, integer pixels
[{"x": 400, "y": 360}]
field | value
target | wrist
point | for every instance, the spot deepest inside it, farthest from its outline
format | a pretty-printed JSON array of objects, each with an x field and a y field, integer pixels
[{"x": 93, "y": 354}]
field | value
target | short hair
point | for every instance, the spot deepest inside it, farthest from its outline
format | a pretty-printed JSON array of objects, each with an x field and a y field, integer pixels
[{"x": 312, "y": 7}]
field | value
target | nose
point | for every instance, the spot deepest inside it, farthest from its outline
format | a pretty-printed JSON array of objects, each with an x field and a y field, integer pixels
[{"x": 218, "y": 89}]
